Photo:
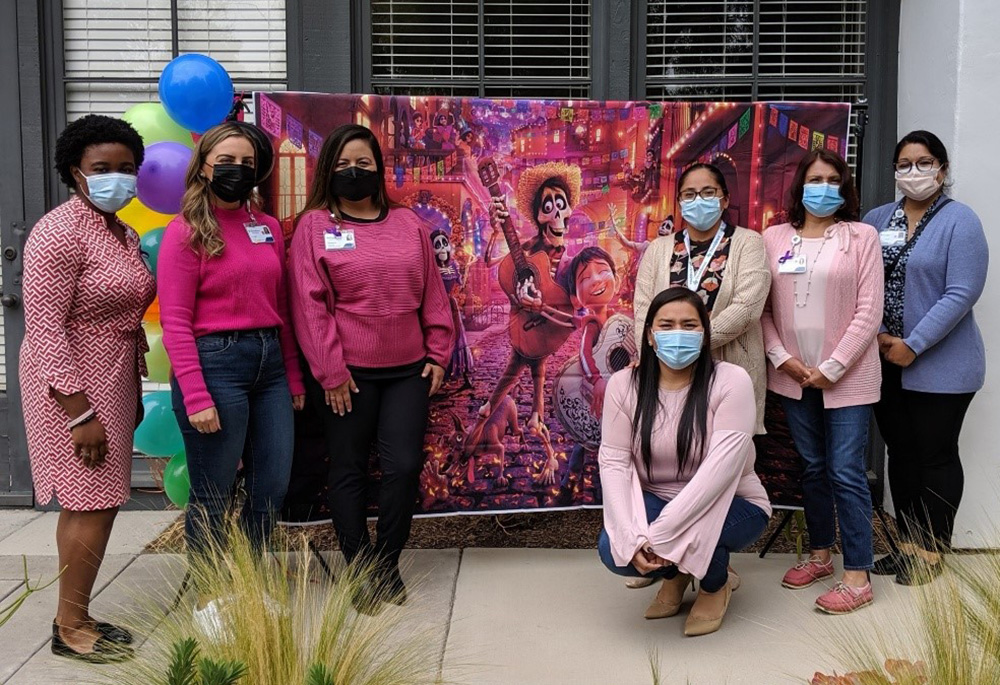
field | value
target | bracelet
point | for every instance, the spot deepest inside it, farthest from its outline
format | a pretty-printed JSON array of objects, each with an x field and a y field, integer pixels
[{"x": 81, "y": 419}]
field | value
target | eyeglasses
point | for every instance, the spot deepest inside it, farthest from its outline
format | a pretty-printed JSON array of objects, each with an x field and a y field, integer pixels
[
  {"x": 923, "y": 165},
  {"x": 704, "y": 194}
]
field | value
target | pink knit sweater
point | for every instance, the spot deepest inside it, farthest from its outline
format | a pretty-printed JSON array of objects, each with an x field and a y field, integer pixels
[
  {"x": 853, "y": 313},
  {"x": 379, "y": 305},
  {"x": 242, "y": 289},
  {"x": 687, "y": 530}
]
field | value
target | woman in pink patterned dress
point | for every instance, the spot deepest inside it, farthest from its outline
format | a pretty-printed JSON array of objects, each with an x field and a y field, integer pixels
[{"x": 86, "y": 287}]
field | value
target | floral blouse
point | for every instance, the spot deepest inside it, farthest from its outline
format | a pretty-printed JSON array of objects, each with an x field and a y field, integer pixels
[
  {"x": 895, "y": 281},
  {"x": 711, "y": 281}
]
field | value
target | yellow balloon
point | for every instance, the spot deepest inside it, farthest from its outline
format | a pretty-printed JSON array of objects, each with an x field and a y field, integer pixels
[{"x": 142, "y": 218}]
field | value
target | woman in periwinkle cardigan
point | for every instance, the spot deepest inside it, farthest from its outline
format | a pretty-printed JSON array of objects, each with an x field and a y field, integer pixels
[
  {"x": 820, "y": 323},
  {"x": 933, "y": 359}
]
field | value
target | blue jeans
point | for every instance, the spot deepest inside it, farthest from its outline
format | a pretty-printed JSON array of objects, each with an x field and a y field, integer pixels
[
  {"x": 832, "y": 443},
  {"x": 744, "y": 524},
  {"x": 245, "y": 374}
]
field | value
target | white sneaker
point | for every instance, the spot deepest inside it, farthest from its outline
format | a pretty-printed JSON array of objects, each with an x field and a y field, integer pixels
[
  {"x": 639, "y": 583},
  {"x": 211, "y": 623}
]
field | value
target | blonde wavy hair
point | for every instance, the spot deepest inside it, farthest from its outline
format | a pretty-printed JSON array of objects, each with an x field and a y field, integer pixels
[{"x": 196, "y": 207}]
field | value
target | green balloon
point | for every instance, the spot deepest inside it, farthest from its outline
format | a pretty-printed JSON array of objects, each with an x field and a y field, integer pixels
[
  {"x": 158, "y": 435},
  {"x": 157, "y": 362},
  {"x": 176, "y": 481},
  {"x": 150, "y": 243},
  {"x": 155, "y": 125}
]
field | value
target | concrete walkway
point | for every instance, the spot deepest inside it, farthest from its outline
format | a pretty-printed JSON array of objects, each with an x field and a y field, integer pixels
[{"x": 500, "y": 617}]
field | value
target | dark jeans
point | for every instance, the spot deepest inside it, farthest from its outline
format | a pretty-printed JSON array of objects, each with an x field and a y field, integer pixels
[
  {"x": 389, "y": 410},
  {"x": 926, "y": 480},
  {"x": 744, "y": 524},
  {"x": 245, "y": 374},
  {"x": 832, "y": 443}
]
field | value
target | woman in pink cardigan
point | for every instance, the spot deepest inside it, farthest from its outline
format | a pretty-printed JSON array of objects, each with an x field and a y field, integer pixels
[
  {"x": 820, "y": 323},
  {"x": 676, "y": 459}
]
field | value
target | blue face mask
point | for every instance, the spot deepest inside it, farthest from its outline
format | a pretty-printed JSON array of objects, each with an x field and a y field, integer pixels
[
  {"x": 678, "y": 349},
  {"x": 701, "y": 214},
  {"x": 110, "y": 192},
  {"x": 821, "y": 199}
]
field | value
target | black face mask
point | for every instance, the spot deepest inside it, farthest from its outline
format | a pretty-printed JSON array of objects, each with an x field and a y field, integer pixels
[
  {"x": 355, "y": 184},
  {"x": 233, "y": 182}
]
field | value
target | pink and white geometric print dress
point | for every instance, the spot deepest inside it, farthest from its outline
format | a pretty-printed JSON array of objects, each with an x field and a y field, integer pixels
[{"x": 84, "y": 297}]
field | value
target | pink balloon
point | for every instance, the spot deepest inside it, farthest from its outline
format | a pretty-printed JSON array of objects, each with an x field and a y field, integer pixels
[{"x": 160, "y": 185}]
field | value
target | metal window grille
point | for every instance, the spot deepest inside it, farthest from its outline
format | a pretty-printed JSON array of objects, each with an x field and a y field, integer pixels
[
  {"x": 745, "y": 50},
  {"x": 114, "y": 50},
  {"x": 485, "y": 48}
]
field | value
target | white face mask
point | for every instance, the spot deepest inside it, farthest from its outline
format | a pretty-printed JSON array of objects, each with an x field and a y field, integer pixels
[{"x": 918, "y": 185}]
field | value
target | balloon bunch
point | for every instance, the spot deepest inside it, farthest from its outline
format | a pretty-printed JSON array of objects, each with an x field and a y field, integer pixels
[{"x": 196, "y": 93}]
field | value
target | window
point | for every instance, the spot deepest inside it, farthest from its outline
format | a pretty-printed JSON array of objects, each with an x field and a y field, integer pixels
[
  {"x": 512, "y": 48},
  {"x": 114, "y": 50},
  {"x": 783, "y": 50}
]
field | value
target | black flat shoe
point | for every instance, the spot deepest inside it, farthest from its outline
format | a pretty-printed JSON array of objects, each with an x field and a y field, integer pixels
[
  {"x": 115, "y": 633},
  {"x": 890, "y": 564},
  {"x": 366, "y": 598},
  {"x": 916, "y": 571},
  {"x": 105, "y": 651},
  {"x": 394, "y": 588}
]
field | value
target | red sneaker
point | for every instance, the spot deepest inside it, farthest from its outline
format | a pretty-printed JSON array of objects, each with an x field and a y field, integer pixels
[
  {"x": 843, "y": 599},
  {"x": 805, "y": 573}
]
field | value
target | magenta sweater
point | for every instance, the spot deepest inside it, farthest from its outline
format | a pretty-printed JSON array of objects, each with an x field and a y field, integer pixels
[
  {"x": 379, "y": 305},
  {"x": 242, "y": 289},
  {"x": 853, "y": 311}
]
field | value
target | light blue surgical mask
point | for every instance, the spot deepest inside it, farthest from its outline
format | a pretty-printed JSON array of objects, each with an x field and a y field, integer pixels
[
  {"x": 701, "y": 214},
  {"x": 678, "y": 349},
  {"x": 110, "y": 192},
  {"x": 822, "y": 199}
]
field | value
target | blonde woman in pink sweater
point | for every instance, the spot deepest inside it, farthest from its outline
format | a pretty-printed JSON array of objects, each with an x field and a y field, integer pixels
[
  {"x": 676, "y": 458},
  {"x": 820, "y": 323}
]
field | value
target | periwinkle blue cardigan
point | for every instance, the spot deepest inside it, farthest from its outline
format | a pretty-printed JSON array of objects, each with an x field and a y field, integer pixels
[{"x": 945, "y": 276}]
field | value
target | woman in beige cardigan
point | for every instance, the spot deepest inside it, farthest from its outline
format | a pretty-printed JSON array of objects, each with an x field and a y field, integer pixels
[{"x": 723, "y": 263}]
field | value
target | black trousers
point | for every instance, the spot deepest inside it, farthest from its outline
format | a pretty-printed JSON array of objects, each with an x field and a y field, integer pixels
[
  {"x": 921, "y": 432},
  {"x": 390, "y": 410}
]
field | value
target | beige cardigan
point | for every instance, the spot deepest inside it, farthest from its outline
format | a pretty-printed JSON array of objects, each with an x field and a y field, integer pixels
[{"x": 737, "y": 336}]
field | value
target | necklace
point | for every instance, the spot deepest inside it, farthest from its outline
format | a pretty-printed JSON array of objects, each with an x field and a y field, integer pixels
[{"x": 797, "y": 246}]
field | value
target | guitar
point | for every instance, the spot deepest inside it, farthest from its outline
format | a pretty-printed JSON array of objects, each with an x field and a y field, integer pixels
[
  {"x": 615, "y": 349},
  {"x": 532, "y": 334}
]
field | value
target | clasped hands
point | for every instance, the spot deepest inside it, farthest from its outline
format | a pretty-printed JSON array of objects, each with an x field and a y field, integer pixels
[
  {"x": 805, "y": 376},
  {"x": 895, "y": 350},
  {"x": 646, "y": 561}
]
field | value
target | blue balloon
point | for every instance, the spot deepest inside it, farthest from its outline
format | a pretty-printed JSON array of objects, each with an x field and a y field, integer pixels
[
  {"x": 149, "y": 243},
  {"x": 159, "y": 435},
  {"x": 196, "y": 91}
]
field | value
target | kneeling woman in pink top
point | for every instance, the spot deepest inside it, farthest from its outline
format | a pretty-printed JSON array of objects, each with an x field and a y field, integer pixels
[
  {"x": 819, "y": 323},
  {"x": 677, "y": 456}
]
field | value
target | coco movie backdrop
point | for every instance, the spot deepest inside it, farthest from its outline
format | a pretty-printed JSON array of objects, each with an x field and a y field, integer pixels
[{"x": 588, "y": 185}]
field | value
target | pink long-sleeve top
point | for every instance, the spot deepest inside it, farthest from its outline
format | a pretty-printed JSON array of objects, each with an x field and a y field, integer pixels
[
  {"x": 379, "y": 305},
  {"x": 687, "y": 530},
  {"x": 852, "y": 311},
  {"x": 244, "y": 288}
]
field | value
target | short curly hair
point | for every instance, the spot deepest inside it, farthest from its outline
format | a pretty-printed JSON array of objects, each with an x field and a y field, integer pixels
[{"x": 93, "y": 129}]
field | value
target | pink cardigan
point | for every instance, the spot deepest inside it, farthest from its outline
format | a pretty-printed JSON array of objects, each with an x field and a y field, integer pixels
[
  {"x": 687, "y": 530},
  {"x": 854, "y": 295}
]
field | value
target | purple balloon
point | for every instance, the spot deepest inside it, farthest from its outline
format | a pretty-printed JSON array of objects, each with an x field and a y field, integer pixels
[{"x": 160, "y": 185}]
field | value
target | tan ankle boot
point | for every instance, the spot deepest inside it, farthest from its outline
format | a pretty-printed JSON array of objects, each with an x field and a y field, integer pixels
[
  {"x": 669, "y": 597},
  {"x": 708, "y": 611}
]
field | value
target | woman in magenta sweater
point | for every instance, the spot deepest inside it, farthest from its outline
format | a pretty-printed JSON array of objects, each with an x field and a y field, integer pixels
[
  {"x": 227, "y": 332},
  {"x": 374, "y": 322},
  {"x": 820, "y": 323}
]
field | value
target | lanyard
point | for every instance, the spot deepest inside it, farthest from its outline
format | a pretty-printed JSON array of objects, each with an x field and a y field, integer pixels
[{"x": 694, "y": 277}]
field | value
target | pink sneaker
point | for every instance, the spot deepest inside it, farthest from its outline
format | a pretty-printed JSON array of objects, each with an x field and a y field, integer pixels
[
  {"x": 805, "y": 573},
  {"x": 843, "y": 599}
]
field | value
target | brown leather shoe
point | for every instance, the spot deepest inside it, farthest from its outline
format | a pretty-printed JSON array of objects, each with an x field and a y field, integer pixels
[
  {"x": 669, "y": 597},
  {"x": 708, "y": 611}
]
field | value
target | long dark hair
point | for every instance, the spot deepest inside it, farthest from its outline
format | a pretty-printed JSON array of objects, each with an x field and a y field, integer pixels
[
  {"x": 693, "y": 426},
  {"x": 847, "y": 212},
  {"x": 321, "y": 193}
]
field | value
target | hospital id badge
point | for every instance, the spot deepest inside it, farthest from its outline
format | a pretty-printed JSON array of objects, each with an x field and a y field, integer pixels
[
  {"x": 341, "y": 240},
  {"x": 795, "y": 265},
  {"x": 259, "y": 233},
  {"x": 894, "y": 238}
]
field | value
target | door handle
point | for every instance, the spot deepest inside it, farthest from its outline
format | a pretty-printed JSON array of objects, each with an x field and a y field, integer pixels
[{"x": 10, "y": 301}]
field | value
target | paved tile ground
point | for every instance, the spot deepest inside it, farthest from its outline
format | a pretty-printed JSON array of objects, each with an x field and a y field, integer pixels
[{"x": 495, "y": 617}]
